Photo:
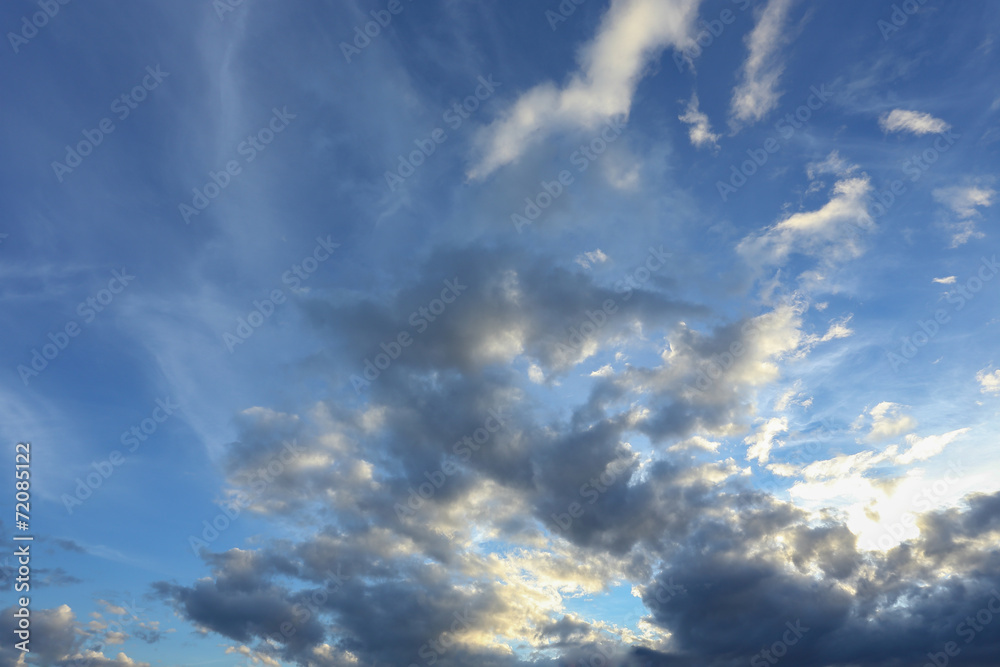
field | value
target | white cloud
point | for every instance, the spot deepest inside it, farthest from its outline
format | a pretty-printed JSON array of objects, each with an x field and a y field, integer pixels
[
  {"x": 631, "y": 34},
  {"x": 700, "y": 132},
  {"x": 757, "y": 93},
  {"x": 833, "y": 164},
  {"x": 964, "y": 201},
  {"x": 92, "y": 657},
  {"x": 793, "y": 396},
  {"x": 947, "y": 280},
  {"x": 888, "y": 421},
  {"x": 922, "y": 449},
  {"x": 113, "y": 608},
  {"x": 588, "y": 259},
  {"x": 535, "y": 374},
  {"x": 963, "y": 232},
  {"x": 604, "y": 371},
  {"x": 697, "y": 442},
  {"x": 989, "y": 382},
  {"x": 763, "y": 441},
  {"x": 901, "y": 120},
  {"x": 846, "y": 466},
  {"x": 838, "y": 329},
  {"x": 813, "y": 232}
]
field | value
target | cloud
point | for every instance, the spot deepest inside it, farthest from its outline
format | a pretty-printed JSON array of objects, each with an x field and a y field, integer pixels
[
  {"x": 964, "y": 231},
  {"x": 757, "y": 93},
  {"x": 922, "y": 449},
  {"x": 700, "y": 132},
  {"x": 816, "y": 232},
  {"x": 900, "y": 120},
  {"x": 947, "y": 280},
  {"x": 761, "y": 442},
  {"x": 98, "y": 659},
  {"x": 631, "y": 34},
  {"x": 832, "y": 164},
  {"x": 58, "y": 639},
  {"x": 965, "y": 201},
  {"x": 697, "y": 443},
  {"x": 588, "y": 259},
  {"x": 112, "y": 608},
  {"x": 888, "y": 421},
  {"x": 989, "y": 383}
]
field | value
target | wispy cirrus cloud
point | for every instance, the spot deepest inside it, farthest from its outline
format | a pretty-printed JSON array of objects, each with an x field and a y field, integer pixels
[
  {"x": 757, "y": 93},
  {"x": 964, "y": 201},
  {"x": 914, "y": 122},
  {"x": 630, "y": 35},
  {"x": 812, "y": 232}
]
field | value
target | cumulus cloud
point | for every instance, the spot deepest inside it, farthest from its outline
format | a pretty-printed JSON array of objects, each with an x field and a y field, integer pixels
[
  {"x": 915, "y": 122},
  {"x": 757, "y": 93},
  {"x": 887, "y": 420},
  {"x": 989, "y": 382},
  {"x": 58, "y": 639},
  {"x": 700, "y": 132},
  {"x": 629, "y": 36}
]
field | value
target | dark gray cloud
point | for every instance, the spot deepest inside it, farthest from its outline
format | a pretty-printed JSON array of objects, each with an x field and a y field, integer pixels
[{"x": 392, "y": 501}]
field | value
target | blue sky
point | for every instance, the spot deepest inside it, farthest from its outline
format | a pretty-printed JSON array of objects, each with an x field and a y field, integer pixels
[{"x": 626, "y": 330}]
